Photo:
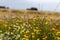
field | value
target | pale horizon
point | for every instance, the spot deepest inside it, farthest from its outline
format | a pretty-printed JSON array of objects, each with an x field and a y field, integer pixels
[{"x": 45, "y": 5}]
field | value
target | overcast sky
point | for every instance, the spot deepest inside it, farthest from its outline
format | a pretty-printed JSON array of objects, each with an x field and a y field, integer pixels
[{"x": 46, "y": 5}]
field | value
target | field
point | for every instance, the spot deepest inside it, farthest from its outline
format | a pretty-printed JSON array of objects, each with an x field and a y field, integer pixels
[{"x": 29, "y": 25}]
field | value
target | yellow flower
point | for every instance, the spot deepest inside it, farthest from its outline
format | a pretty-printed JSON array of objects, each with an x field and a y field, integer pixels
[
  {"x": 23, "y": 38},
  {"x": 5, "y": 25},
  {"x": 26, "y": 36},
  {"x": 31, "y": 27},
  {"x": 16, "y": 26},
  {"x": 26, "y": 22},
  {"x": 21, "y": 26},
  {"x": 17, "y": 20},
  {"x": 53, "y": 29},
  {"x": 49, "y": 18},
  {"x": 12, "y": 33},
  {"x": 37, "y": 31},
  {"x": 33, "y": 24},
  {"x": 27, "y": 31},
  {"x": 14, "y": 30},
  {"x": 22, "y": 31},
  {"x": 27, "y": 39},
  {"x": 45, "y": 38},
  {"x": 58, "y": 38},
  {"x": 33, "y": 36},
  {"x": 58, "y": 33},
  {"x": 32, "y": 33},
  {"x": 46, "y": 22}
]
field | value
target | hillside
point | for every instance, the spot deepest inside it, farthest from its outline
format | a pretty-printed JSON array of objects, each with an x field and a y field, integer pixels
[{"x": 8, "y": 13}]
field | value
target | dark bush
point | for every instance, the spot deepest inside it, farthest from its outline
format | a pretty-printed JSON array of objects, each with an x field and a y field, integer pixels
[
  {"x": 33, "y": 8},
  {"x": 2, "y": 7}
]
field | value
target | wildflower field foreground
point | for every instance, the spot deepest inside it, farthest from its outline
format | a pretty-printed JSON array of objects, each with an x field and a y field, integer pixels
[{"x": 35, "y": 28}]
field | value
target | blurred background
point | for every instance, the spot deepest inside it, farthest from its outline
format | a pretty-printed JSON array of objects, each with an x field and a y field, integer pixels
[{"x": 44, "y": 5}]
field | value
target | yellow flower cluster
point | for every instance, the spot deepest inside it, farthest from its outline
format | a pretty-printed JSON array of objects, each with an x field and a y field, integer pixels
[{"x": 34, "y": 29}]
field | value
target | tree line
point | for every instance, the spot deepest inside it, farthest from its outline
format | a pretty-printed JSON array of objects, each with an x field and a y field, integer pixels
[{"x": 32, "y": 8}]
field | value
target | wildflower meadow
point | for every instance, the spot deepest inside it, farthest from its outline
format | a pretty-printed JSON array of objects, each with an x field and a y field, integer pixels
[{"x": 35, "y": 28}]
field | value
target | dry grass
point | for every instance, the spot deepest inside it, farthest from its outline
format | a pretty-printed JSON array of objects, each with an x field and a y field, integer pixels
[
  {"x": 29, "y": 25},
  {"x": 8, "y": 13}
]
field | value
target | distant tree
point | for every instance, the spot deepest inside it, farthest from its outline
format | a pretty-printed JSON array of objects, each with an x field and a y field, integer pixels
[
  {"x": 32, "y": 8},
  {"x": 2, "y": 7}
]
